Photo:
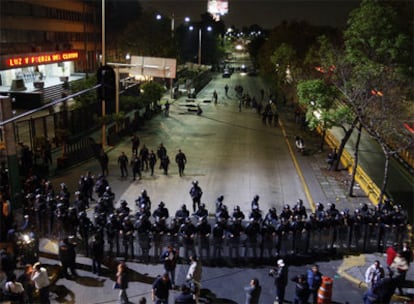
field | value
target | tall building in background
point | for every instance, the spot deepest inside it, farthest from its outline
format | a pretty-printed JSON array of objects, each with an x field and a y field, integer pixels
[{"x": 45, "y": 40}]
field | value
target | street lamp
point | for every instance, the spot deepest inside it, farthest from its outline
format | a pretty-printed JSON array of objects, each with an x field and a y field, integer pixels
[{"x": 209, "y": 29}]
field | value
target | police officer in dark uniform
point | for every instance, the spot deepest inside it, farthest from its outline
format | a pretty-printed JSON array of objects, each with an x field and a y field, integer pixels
[
  {"x": 219, "y": 230},
  {"x": 235, "y": 230},
  {"x": 51, "y": 204},
  {"x": 123, "y": 211},
  {"x": 161, "y": 212},
  {"x": 187, "y": 233},
  {"x": 237, "y": 213},
  {"x": 173, "y": 231},
  {"x": 112, "y": 228},
  {"x": 143, "y": 227},
  {"x": 40, "y": 209},
  {"x": 108, "y": 198},
  {"x": 181, "y": 160},
  {"x": 268, "y": 235},
  {"x": 67, "y": 256},
  {"x": 144, "y": 199},
  {"x": 252, "y": 231},
  {"x": 97, "y": 253},
  {"x": 100, "y": 185},
  {"x": 203, "y": 233},
  {"x": 299, "y": 209},
  {"x": 201, "y": 211},
  {"x": 255, "y": 202},
  {"x": 196, "y": 193},
  {"x": 159, "y": 230},
  {"x": 182, "y": 214},
  {"x": 144, "y": 154},
  {"x": 136, "y": 165},
  {"x": 85, "y": 227},
  {"x": 152, "y": 159},
  {"x": 127, "y": 233}
]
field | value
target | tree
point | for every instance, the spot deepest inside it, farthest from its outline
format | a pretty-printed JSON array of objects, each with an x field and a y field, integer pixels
[
  {"x": 374, "y": 79},
  {"x": 319, "y": 100},
  {"x": 151, "y": 93}
]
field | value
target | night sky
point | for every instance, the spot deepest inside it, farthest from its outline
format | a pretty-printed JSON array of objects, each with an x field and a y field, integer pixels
[{"x": 266, "y": 13}]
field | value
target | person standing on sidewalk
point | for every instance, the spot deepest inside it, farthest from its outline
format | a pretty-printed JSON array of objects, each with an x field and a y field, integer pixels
[
  {"x": 123, "y": 164},
  {"x": 373, "y": 274},
  {"x": 196, "y": 193},
  {"x": 253, "y": 291},
  {"x": 161, "y": 289},
  {"x": 314, "y": 278},
  {"x": 122, "y": 282},
  {"x": 136, "y": 165},
  {"x": 280, "y": 273},
  {"x": 41, "y": 282},
  {"x": 181, "y": 160}
]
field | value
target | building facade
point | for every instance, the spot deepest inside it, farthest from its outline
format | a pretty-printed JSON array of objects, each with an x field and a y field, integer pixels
[{"x": 46, "y": 41}]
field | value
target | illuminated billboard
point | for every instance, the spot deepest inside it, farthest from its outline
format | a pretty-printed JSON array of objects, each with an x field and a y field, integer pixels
[
  {"x": 218, "y": 7},
  {"x": 154, "y": 66}
]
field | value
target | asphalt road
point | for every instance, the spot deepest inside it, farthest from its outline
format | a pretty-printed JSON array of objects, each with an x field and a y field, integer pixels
[{"x": 230, "y": 153}]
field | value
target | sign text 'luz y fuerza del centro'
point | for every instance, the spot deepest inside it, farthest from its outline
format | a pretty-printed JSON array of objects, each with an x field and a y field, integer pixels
[{"x": 36, "y": 59}]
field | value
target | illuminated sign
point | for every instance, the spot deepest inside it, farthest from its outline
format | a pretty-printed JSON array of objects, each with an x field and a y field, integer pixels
[
  {"x": 218, "y": 7},
  {"x": 35, "y": 59}
]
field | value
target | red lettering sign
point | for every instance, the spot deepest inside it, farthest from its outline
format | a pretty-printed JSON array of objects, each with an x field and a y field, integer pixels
[{"x": 20, "y": 61}]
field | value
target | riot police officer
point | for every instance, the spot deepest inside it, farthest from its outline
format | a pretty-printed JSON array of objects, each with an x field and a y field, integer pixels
[
  {"x": 203, "y": 233},
  {"x": 143, "y": 227},
  {"x": 127, "y": 233},
  {"x": 85, "y": 226},
  {"x": 237, "y": 213},
  {"x": 187, "y": 234},
  {"x": 201, "y": 211},
  {"x": 123, "y": 211},
  {"x": 235, "y": 230},
  {"x": 252, "y": 231},
  {"x": 219, "y": 236},
  {"x": 182, "y": 214},
  {"x": 196, "y": 193},
  {"x": 113, "y": 228},
  {"x": 161, "y": 212},
  {"x": 144, "y": 199}
]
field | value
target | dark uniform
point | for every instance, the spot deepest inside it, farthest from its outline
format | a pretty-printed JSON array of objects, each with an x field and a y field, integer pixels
[
  {"x": 203, "y": 233},
  {"x": 196, "y": 193},
  {"x": 67, "y": 256},
  {"x": 123, "y": 164},
  {"x": 152, "y": 159},
  {"x": 181, "y": 160},
  {"x": 136, "y": 165}
]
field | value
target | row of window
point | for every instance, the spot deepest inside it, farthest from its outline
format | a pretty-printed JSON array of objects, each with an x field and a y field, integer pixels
[
  {"x": 30, "y": 36},
  {"x": 12, "y": 8}
]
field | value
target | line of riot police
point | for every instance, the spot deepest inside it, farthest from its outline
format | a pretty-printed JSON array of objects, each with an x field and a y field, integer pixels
[{"x": 224, "y": 234}]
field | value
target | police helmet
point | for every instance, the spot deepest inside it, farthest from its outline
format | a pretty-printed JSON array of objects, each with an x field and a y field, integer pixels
[{"x": 161, "y": 204}]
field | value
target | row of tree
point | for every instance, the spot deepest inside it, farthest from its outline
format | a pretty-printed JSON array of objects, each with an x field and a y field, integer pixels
[{"x": 357, "y": 79}]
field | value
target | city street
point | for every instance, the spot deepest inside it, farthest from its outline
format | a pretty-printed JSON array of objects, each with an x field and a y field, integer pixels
[{"x": 230, "y": 153}]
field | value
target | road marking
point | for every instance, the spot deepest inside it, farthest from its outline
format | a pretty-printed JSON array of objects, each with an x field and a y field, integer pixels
[{"x": 298, "y": 170}]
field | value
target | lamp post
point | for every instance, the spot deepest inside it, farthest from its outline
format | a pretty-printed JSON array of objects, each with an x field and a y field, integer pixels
[{"x": 200, "y": 31}]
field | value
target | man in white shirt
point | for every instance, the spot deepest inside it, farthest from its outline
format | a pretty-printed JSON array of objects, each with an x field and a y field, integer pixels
[
  {"x": 41, "y": 281},
  {"x": 194, "y": 275},
  {"x": 373, "y": 274}
]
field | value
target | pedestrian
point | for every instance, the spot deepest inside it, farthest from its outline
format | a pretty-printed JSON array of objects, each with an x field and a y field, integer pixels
[
  {"x": 196, "y": 192},
  {"x": 41, "y": 282},
  {"x": 103, "y": 161},
  {"x": 67, "y": 257},
  {"x": 185, "y": 296},
  {"x": 226, "y": 90},
  {"x": 135, "y": 144},
  {"x": 161, "y": 153},
  {"x": 25, "y": 279},
  {"x": 194, "y": 275},
  {"x": 215, "y": 97},
  {"x": 123, "y": 164},
  {"x": 314, "y": 278},
  {"x": 253, "y": 291},
  {"x": 181, "y": 161},
  {"x": 373, "y": 274},
  {"x": 161, "y": 289},
  {"x": 280, "y": 274},
  {"x": 152, "y": 159},
  {"x": 301, "y": 290},
  {"x": 391, "y": 253},
  {"x": 399, "y": 267},
  {"x": 13, "y": 290},
  {"x": 407, "y": 252},
  {"x": 136, "y": 167},
  {"x": 170, "y": 258},
  {"x": 144, "y": 155},
  {"x": 300, "y": 144},
  {"x": 122, "y": 282},
  {"x": 165, "y": 162}
]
